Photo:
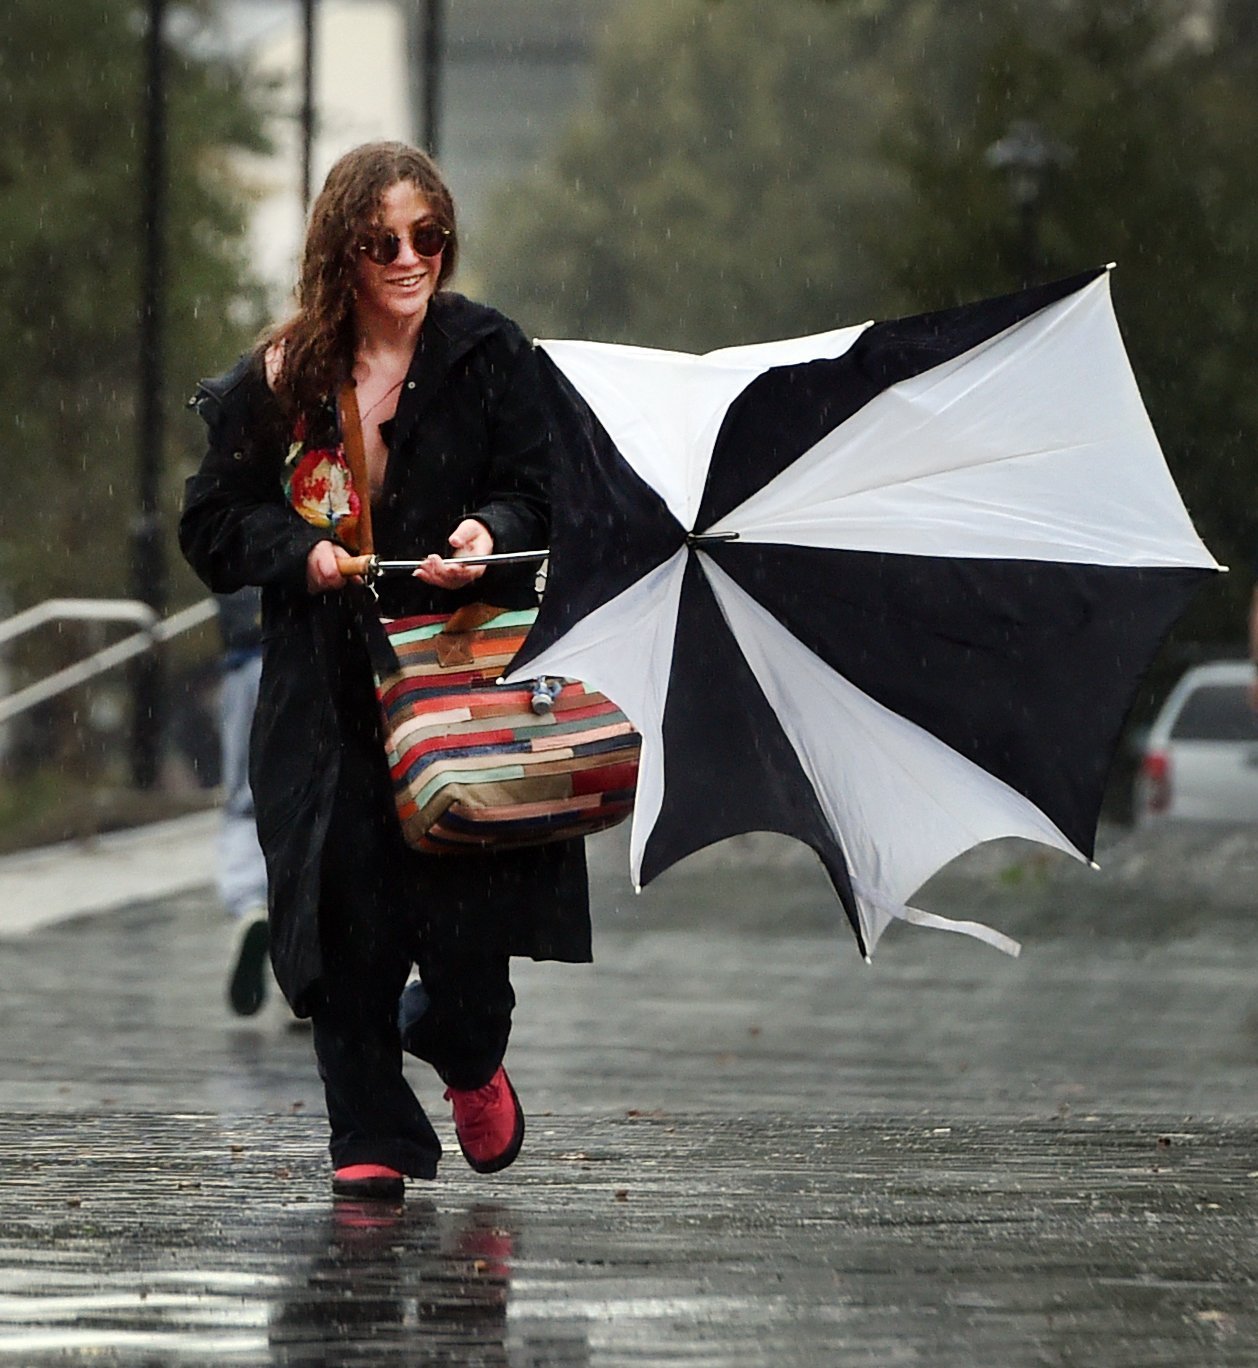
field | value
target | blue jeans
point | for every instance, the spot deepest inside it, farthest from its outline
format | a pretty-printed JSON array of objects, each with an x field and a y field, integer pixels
[{"x": 240, "y": 870}]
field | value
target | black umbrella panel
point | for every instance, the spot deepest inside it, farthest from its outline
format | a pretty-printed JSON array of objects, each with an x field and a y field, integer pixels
[{"x": 888, "y": 590}]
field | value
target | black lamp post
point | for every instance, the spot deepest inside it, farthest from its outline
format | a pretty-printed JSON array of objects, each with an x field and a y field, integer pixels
[
  {"x": 148, "y": 560},
  {"x": 426, "y": 26},
  {"x": 307, "y": 100},
  {"x": 1026, "y": 158}
]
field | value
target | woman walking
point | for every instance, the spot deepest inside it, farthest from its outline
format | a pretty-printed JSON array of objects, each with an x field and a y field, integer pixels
[{"x": 457, "y": 447}]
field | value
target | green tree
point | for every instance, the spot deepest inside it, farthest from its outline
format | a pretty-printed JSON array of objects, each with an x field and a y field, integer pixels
[
  {"x": 745, "y": 171},
  {"x": 71, "y": 88},
  {"x": 1153, "y": 108},
  {"x": 708, "y": 195},
  {"x": 71, "y": 83}
]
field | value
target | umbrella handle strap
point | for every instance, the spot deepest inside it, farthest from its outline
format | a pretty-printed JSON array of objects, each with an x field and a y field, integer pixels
[
  {"x": 916, "y": 917},
  {"x": 996, "y": 939}
]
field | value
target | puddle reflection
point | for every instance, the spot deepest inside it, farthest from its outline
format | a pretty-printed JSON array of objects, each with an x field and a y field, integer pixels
[{"x": 406, "y": 1284}]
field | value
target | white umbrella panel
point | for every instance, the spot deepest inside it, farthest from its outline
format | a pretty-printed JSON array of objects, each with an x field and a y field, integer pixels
[{"x": 888, "y": 590}]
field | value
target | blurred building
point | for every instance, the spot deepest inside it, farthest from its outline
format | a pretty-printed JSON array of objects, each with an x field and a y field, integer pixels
[{"x": 510, "y": 76}]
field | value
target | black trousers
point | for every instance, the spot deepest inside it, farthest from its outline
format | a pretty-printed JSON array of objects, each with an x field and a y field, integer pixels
[{"x": 374, "y": 924}]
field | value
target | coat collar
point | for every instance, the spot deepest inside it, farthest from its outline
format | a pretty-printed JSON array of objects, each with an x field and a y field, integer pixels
[{"x": 452, "y": 327}]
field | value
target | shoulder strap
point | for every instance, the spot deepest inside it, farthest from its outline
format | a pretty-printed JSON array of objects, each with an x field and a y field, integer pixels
[{"x": 355, "y": 454}]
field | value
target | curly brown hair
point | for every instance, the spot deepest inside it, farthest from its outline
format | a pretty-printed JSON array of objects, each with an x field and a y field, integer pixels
[{"x": 315, "y": 346}]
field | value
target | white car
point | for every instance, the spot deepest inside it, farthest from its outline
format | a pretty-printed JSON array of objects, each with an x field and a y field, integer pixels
[{"x": 1200, "y": 759}]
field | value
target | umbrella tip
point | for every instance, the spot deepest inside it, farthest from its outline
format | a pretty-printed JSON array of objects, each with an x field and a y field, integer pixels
[
  {"x": 1092, "y": 864},
  {"x": 637, "y": 888},
  {"x": 1109, "y": 265}
]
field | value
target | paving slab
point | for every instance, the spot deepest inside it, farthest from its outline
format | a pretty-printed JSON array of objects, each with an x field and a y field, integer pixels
[
  {"x": 637, "y": 1240},
  {"x": 79, "y": 877},
  {"x": 745, "y": 1146}
]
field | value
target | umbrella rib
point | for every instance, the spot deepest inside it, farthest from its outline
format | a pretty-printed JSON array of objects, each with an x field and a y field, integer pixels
[
  {"x": 977, "y": 464},
  {"x": 749, "y": 529},
  {"x": 1048, "y": 320},
  {"x": 905, "y": 482},
  {"x": 1062, "y": 314}
]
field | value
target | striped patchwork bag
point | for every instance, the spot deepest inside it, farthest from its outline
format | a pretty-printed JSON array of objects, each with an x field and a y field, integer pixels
[{"x": 477, "y": 764}]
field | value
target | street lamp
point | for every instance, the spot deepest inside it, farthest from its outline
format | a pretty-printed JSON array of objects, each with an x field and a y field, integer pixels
[{"x": 1026, "y": 158}]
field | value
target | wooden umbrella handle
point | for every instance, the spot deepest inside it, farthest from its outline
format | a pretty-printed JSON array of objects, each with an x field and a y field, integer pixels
[{"x": 352, "y": 565}]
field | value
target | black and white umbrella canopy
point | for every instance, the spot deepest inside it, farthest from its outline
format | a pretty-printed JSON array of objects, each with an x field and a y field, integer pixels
[{"x": 888, "y": 590}]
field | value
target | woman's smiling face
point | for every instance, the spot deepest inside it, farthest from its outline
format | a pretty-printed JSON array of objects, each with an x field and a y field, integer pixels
[{"x": 398, "y": 292}]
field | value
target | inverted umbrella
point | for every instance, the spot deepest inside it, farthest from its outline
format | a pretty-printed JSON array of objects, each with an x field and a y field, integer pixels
[{"x": 888, "y": 590}]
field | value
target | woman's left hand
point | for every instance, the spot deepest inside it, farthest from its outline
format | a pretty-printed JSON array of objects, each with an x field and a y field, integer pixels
[{"x": 470, "y": 538}]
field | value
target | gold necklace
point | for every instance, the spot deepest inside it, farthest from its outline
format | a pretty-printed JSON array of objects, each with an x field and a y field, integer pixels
[{"x": 381, "y": 400}]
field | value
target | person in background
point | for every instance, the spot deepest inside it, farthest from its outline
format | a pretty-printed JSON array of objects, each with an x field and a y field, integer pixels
[
  {"x": 240, "y": 869},
  {"x": 1253, "y": 646}
]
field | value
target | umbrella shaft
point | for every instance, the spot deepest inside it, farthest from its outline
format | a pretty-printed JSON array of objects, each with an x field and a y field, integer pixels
[{"x": 387, "y": 567}]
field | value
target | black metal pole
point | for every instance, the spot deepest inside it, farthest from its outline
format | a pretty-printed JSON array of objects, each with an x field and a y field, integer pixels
[
  {"x": 433, "y": 35},
  {"x": 148, "y": 565},
  {"x": 307, "y": 100}
]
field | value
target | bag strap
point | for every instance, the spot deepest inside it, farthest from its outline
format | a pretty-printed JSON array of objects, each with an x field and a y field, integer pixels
[
  {"x": 356, "y": 456},
  {"x": 454, "y": 642},
  {"x": 470, "y": 617}
]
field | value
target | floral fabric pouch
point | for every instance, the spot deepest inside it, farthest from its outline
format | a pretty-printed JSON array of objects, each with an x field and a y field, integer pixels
[{"x": 320, "y": 483}]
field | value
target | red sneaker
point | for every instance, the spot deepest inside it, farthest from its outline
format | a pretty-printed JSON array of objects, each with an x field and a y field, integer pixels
[
  {"x": 489, "y": 1123},
  {"x": 375, "y": 1182}
]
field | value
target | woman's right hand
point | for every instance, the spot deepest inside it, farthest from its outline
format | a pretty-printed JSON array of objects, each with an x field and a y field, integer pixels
[{"x": 322, "y": 573}]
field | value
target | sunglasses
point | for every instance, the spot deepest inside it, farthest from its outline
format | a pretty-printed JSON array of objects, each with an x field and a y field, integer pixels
[{"x": 428, "y": 237}]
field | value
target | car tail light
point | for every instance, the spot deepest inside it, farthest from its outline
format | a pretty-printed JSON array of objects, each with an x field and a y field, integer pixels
[{"x": 1156, "y": 769}]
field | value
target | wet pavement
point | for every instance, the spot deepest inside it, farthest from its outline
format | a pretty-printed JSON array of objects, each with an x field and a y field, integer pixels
[{"x": 745, "y": 1146}]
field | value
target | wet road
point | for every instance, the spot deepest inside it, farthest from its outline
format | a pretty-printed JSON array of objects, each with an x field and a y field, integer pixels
[{"x": 745, "y": 1146}]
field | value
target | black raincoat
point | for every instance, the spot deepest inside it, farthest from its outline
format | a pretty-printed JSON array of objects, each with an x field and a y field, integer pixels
[{"x": 470, "y": 439}]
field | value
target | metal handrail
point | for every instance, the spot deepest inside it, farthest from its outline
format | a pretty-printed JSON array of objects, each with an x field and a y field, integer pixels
[
  {"x": 76, "y": 610},
  {"x": 94, "y": 610}
]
